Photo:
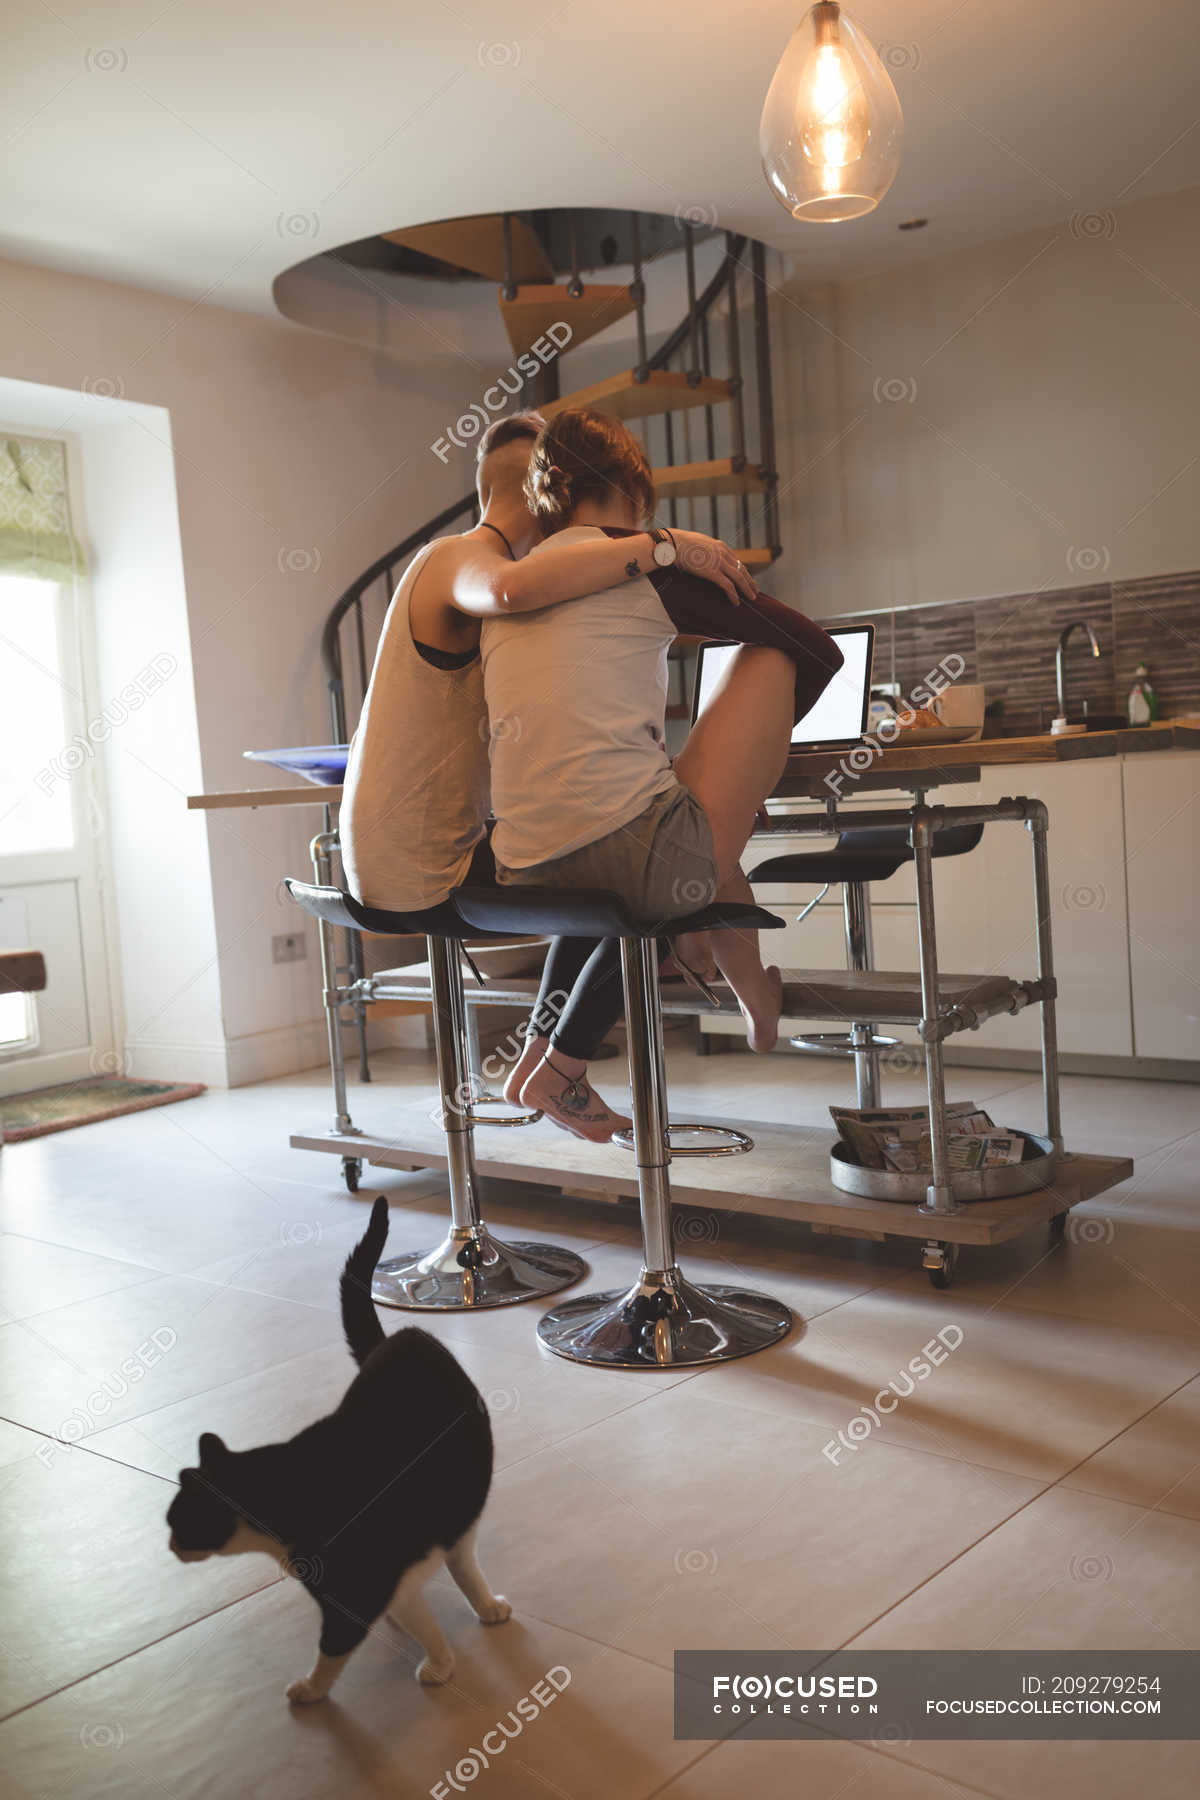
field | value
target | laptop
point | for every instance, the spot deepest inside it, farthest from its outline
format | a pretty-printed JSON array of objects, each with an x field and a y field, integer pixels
[{"x": 838, "y": 720}]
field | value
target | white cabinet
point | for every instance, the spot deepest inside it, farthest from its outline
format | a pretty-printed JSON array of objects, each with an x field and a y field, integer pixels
[
  {"x": 1162, "y": 813},
  {"x": 1087, "y": 905}
]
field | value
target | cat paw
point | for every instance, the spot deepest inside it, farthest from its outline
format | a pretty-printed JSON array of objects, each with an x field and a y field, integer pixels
[
  {"x": 499, "y": 1610},
  {"x": 433, "y": 1674},
  {"x": 303, "y": 1693}
]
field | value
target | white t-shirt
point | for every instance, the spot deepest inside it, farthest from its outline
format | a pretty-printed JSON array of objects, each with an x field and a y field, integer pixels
[{"x": 576, "y": 700}]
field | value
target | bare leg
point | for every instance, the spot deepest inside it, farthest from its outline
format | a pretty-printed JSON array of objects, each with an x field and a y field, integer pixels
[
  {"x": 463, "y": 1564},
  {"x": 732, "y": 760},
  {"x": 314, "y": 1687}
]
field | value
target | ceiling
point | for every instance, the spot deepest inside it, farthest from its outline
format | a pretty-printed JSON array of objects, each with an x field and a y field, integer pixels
[{"x": 203, "y": 150}]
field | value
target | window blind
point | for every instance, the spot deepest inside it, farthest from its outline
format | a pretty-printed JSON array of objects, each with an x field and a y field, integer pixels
[{"x": 35, "y": 516}]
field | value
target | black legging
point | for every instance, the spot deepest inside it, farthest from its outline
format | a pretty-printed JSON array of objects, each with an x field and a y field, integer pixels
[{"x": 581, "y": 996}]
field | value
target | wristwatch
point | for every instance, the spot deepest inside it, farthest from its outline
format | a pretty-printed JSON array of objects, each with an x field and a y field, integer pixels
[{"x": 664, "y": 548}]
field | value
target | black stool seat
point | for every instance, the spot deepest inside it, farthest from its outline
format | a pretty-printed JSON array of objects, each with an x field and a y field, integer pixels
[
  {"x": 337, "y": 907},
  {"x": 592, "y": 912},
  {"x": 869, "y": 855}
]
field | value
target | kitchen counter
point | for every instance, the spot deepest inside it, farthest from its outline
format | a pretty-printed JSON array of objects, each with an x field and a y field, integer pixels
[{"x": 808, "y": 775}]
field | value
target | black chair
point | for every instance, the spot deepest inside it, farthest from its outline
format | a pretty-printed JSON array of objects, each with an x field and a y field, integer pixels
[
  {"x": 663, "y": 1320},
  {"x": 856, "y": 860},
  {"x": 469, "y": 1269}
]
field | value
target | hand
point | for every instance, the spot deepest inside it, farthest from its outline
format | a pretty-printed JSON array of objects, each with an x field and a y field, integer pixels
[{"x": 716, "y": 562}]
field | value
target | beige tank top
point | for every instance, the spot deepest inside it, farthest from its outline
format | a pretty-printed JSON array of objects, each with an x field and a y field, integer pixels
[
  {"x": 577, "y": 698},
  {"x": 415, "y": 799}
]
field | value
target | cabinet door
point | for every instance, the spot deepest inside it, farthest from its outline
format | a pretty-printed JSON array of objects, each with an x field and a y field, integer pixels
[
  {"x": 1162, "y": 832},
  {"x": 1087, "y": 905}
]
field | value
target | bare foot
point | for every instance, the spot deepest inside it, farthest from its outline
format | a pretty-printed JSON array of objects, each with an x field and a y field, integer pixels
[
  {"x": 570, "y": 1101},
  {"x": 693, "y": 951},
  {"x": 518, "y": 1075},
  {"x": 761, "y": 1010}
]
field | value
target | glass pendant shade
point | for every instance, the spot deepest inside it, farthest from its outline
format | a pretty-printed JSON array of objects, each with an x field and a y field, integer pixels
[{"x": 831, "y": 127}]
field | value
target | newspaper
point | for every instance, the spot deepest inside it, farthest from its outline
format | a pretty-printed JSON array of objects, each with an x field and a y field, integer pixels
[{"x": 897, "y": 1138}]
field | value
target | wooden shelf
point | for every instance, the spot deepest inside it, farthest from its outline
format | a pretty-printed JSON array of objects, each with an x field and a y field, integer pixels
[
  {"x": 625, "y": 397},
  {"x": 687, "y": 481}
]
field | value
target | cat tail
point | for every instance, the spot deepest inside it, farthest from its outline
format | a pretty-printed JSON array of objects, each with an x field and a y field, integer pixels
[{"x": 360, "y": 1321}]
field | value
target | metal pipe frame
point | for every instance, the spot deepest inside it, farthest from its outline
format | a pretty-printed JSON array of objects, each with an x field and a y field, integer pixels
[
  {"x": 321, "y": 851},
  {"x": 1037, "y": 824},
  {"x": 939, "y": 1195},
  {"x": 860, "y": 954}
]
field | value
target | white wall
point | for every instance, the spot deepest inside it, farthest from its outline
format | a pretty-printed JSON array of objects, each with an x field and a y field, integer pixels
[
  {"x": 999, "y": 421},
  {"x": 297, "y": 460}
]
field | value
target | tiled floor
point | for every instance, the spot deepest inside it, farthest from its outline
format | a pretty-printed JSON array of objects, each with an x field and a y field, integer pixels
[{"x": 1042, "y": 1489}]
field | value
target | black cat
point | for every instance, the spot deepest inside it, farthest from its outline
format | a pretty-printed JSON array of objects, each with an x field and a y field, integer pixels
[{"x": 365, "y": 1505}]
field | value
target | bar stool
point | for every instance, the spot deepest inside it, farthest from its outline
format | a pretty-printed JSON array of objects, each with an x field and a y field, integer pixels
[
  {"x": 855, "y": 860},
  {"x": 663, "y": 1320},
  {"x": 470, "y": 1269}
]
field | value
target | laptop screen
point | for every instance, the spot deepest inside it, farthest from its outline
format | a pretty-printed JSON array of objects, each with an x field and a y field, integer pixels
[{"x": 839, "y": 717}]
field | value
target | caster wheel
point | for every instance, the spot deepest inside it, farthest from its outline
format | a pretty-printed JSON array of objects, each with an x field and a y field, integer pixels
[
  {"x": 351, "y": 1170},
  {"x": 941, "y": 1275},
  {"x": 1058, "y": 1226}
]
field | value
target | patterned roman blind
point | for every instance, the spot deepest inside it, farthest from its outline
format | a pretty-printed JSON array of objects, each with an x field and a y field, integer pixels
[{"x": 35, "y": 518}]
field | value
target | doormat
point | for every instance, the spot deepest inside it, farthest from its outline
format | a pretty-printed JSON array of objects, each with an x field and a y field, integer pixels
[{"x": 84, "y": 1103}]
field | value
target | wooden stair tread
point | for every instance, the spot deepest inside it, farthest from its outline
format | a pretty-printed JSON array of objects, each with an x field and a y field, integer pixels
[
  {"x": 684, "y": 481},
  {"x": 623, "y": 396},
  {"x": 477, "y": 243},
  {"x": 537, "y": 307}
]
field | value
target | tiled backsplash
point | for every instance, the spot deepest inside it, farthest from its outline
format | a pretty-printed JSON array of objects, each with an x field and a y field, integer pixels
[{"x": 1009, "y": 645}]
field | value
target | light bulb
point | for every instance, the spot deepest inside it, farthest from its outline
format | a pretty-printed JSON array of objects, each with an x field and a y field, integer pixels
[{"x": 831, "y": 126}]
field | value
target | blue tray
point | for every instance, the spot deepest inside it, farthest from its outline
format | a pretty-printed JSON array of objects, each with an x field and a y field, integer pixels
[{"x": 324, "y": 764}]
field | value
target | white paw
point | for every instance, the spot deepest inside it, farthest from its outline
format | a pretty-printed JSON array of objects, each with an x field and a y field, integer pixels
[
  {"x": 433, "y": 1674},
  {"x": 303, "y": 1693},
  {"x": 499, "y": 1610}
]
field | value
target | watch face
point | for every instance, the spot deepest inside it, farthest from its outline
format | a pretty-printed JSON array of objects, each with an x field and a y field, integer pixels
[{"x": 664, "y": 553}]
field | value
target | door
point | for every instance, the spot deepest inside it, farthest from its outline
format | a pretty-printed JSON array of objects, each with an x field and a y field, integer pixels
[{"x": 51, "y": 850}]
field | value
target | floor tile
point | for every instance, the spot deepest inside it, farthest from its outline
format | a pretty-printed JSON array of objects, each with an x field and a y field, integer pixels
[
  {"x": 730, "y": 1528},
  {"x": 88, "y": 1575},
  {"x": 35, "y": 1275},
  {"x": 80, "y": 1367},
  {"x": 1023, "y": 1391},
  {"x": 1155, "y": 1462},
  {"x": 203, "y": 1714}
]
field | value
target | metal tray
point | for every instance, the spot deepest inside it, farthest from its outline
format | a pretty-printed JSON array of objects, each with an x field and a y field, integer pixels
[{"x": 1036, "y": 1171}]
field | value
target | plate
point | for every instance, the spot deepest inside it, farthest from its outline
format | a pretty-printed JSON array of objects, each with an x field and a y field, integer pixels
[
  {"x": 934, "y": 734},
  {"x": 324, "y": 764}
]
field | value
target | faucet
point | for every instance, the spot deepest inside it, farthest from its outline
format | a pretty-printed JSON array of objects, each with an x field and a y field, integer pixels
[{"x": 1060, "y": 661}]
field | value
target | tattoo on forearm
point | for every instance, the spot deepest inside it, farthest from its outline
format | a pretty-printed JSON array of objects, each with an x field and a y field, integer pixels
[{"x": 633, "y": 567}]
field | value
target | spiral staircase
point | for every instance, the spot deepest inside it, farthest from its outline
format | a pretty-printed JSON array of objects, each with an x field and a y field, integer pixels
[{"x": 700, "y": 399}]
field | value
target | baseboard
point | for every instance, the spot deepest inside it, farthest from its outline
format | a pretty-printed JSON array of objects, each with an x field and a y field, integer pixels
[
  {"x": 146, "y": 1059},
  {"x": 22, "y": 1075}
]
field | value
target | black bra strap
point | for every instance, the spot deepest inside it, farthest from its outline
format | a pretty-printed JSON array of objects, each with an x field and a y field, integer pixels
[{"x": 488, "y": 526}]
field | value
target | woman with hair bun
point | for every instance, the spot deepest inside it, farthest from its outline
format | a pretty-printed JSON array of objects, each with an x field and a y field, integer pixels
[{"x": 583, "y": 791}]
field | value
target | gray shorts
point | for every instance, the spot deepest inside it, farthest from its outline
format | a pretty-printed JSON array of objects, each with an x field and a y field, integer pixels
[{"x": 662, "y": 863}]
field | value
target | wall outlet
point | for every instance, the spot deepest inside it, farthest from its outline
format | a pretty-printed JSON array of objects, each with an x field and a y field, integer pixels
[{"x": 289, "y": 946}]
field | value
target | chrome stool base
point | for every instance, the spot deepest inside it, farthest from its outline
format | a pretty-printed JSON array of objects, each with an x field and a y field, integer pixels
[
  {"x": 470, "y": 1270},
  {"x": 736, "y": 1142},
  {"x": 663, "y": 1322}
]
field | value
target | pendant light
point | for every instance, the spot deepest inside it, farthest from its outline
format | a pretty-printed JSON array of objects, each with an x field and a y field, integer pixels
[{"x": 831, "y": 127}]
